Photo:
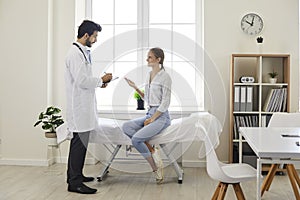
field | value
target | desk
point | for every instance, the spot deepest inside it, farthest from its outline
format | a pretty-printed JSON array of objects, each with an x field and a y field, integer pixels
[{"x": 272, "y": 148}]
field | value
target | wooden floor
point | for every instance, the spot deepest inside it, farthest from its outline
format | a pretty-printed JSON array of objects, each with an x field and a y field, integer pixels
[{"x": 39, "y": 183}]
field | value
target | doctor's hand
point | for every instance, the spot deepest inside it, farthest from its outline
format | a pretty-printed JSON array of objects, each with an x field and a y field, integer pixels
[
  {"x": 131, "y": 83},
  {"x": 106, "y": 78},
  {"x": 103, "y": 85}
]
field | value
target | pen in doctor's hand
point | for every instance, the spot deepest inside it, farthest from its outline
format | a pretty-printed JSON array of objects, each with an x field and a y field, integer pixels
[{"x": 107, "y": 73}]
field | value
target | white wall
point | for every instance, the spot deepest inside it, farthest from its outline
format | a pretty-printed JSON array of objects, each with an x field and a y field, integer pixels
[
  {"x": 23, "y": 78},
  {"x": 24, "y": 33},
  {"x": 223, "y": 36}
]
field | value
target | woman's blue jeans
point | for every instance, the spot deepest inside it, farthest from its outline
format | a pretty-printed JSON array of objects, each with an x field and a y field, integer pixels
[{"x": 139, "y": 133}]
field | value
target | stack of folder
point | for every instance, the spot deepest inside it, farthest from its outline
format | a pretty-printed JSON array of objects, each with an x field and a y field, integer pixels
[{"x": 243, "y": 98}]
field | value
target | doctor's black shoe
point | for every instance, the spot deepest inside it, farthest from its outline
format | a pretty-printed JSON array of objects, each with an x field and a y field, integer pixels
[
  {"x": 88, "y": 179},
  {"x": 82, "y": 189}
]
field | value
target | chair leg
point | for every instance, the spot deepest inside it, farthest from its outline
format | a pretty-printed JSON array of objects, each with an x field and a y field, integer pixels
[
  {"x": 291, "y": 174},
  {"x": 296, "y": 175},
  {"x": 217, "y": 191},
  {"x": 223, "y": 191},
  {"x": 268, "y": 180},
  {"x": 238, "y": 191}
]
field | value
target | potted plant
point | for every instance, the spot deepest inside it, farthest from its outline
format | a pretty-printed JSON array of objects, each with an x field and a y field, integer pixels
[
  {"x": 50, "y": 119},
  {"x": 260, "y": 40},
  {"x": 140, "y": 101},
  {"x": 273, "y": 76}
]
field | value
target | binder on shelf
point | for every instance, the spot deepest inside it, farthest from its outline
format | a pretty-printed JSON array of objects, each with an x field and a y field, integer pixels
[
  {"x": 243, "y": 99},
  {"x": 249, "y": 100},
  {"x": 236, "y": 106}
]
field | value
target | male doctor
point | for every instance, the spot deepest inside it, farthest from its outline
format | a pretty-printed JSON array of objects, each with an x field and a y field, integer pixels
[{"x": 81, "y": 103}]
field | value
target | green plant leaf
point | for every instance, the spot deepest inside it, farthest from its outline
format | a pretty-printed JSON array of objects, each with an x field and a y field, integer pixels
[
  {"x": 56, "y": 110},
  {"x": 54, "y": 117},
  {"x": 46, "y": 126},
  {"x": 50, "y": 111},
  {"x": 58, "y": 122},
  {"x": 37, "y": 123},
  {"x": 273, "y": 74},
  {"x": 41, "y": 115}
]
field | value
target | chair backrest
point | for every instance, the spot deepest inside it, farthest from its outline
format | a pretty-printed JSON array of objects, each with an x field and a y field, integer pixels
[
  {"x": 285, "y": 120},
  {"x": 213, "y": 165}
]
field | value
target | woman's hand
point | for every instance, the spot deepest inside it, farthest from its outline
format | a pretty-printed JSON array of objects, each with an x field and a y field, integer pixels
[
  {"x": 148, "y": 121},
  {"x": 131, "y": 83},
  {"x": 152, "y": 118}
]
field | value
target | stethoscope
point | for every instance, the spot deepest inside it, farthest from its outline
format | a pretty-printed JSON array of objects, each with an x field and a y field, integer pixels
[{"x": 86, "y": 60}]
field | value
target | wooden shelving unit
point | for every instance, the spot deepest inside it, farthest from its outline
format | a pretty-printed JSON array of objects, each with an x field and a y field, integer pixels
[{"x": 257, "y": 66}]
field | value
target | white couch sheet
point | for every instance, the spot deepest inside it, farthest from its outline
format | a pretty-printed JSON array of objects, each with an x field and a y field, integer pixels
[{"x": 191, "y": 128}]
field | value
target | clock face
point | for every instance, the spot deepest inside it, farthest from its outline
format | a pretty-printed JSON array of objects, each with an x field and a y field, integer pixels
[{"x": 252, "y": 24}]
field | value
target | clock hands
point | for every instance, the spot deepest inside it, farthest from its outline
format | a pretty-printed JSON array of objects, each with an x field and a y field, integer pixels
[
  {"x": 252, "y": 21},
  {"x": 251, "y": 24}
]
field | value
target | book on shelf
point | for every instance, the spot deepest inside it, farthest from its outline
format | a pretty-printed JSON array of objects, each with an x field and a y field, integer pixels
[
  {"x": 273, "y": 103},
  {"x": 243, "y": 121},
  {"x": 276, "y": 100},
  {"x": 268, "y": 100},
  {"x": 265, "y": 120},
  {"x": 284, "y": 100}
]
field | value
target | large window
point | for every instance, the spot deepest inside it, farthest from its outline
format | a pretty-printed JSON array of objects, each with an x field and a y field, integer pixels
[{"x": 130, "y": 29}]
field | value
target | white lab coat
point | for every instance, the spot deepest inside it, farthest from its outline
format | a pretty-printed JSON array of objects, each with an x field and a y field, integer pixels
[{"x": 81, "y": 112}]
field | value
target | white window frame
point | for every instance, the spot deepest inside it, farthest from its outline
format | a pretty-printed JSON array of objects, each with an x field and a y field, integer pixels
[{"x": 199, "y": 79}]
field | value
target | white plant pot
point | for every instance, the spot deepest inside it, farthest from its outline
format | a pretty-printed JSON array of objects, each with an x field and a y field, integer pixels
[
  {"x": 51, "y": 139},
  {"x": 272, "y": 80}
]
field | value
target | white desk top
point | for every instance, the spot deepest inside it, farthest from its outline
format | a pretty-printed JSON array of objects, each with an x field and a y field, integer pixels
[{"x": 269, "y": 142}]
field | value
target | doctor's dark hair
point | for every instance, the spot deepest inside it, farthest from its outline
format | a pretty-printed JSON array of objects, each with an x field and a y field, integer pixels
[
  {"x": 159, "y": 53},
  {"x": 88, "y": 27}
]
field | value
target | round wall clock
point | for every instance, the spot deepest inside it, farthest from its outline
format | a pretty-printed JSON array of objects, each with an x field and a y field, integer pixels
[{"x": 252, "y": 24}]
